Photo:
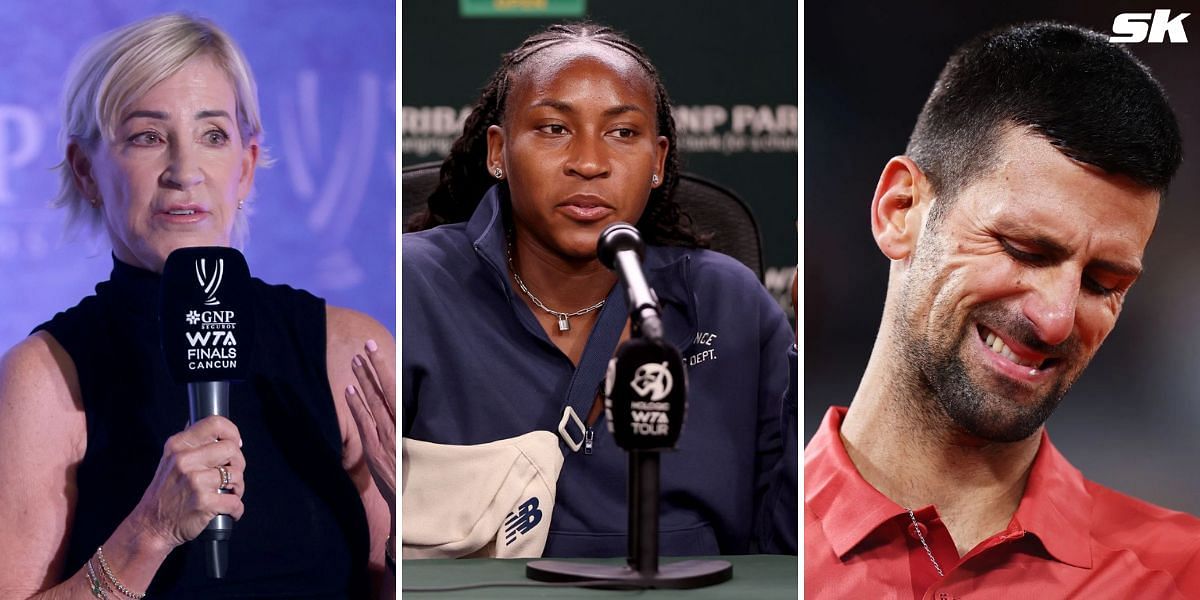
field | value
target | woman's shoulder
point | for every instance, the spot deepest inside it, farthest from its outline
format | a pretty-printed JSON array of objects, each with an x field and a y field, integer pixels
[
  {"x": 76, "y": 331},
  {"x": 287, "y": 317},
  {"x": 708, "y": 266},
  {"x": 718, "y": 282},
  {"x": 39, "y": 386},
  {"x": 285, "y": 304},
  {"x": 283, "y": 292},
  {"x": 436, "y": 246},
  {"x": 351, "y": 328},
  {"x": 86, "y": 312},
  {"x": 36, "y": 357}
]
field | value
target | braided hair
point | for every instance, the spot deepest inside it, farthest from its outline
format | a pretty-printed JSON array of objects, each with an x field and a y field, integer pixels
[{"x": 464, "y": 177}]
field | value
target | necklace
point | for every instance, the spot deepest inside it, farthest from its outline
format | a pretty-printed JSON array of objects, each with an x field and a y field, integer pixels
[
  {"x": 564, "y": 323},
  {"x": 928, "y": 552}
]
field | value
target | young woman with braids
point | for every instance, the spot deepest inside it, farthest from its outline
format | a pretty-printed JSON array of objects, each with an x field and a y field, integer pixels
[{"x": 510, "y": 320}]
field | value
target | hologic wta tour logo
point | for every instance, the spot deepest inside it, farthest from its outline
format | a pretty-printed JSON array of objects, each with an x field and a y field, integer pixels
[
  {"x": 654, "y": 380},
  {"x": 210, "y": 282},
  {"x": 649, "y": 415}
]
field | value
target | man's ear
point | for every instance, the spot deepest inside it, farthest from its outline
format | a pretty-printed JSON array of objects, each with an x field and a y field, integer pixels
[{"x": 898, "y": 210}]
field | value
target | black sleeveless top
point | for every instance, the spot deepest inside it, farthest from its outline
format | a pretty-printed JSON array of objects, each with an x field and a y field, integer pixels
[{"x": 304, "y": 532}]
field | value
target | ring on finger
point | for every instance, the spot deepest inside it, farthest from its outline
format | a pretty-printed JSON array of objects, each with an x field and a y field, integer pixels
[{"x": 224, "y": 487}]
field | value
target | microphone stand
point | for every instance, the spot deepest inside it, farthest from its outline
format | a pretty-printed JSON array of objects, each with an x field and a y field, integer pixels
[{"x": 641, "y": 569}]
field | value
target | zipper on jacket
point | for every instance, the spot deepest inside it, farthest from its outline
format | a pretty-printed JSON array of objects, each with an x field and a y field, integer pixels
[{"x": 589, "y": 434}]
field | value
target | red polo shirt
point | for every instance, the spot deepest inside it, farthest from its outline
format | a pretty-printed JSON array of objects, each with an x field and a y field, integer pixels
[{"x": 1070, "y": 538}]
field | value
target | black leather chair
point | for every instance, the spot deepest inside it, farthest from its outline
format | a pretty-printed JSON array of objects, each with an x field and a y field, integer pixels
[{"x": 715, "y": 210}]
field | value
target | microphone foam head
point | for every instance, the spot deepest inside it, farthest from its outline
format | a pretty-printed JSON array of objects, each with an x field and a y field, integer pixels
[
  {"x": 645, "y": 392},
  {"x": 206, "y": 316},
  {"x": 616, "y": 237}
]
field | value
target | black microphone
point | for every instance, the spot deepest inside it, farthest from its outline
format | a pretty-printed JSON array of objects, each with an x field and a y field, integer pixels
[
  {"x": 645, "y": 398},
  {"x": 207, "y": 326},
  {"x": 620, "y": 248},
  {"x": 645, "y": 395}
]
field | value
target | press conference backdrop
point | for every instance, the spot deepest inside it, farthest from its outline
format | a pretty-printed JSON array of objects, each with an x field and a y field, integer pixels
[
  {"x": 1131, "y": 420},
  {"x": 323, "y": 217},
  {"x": 729, "y": 67}
]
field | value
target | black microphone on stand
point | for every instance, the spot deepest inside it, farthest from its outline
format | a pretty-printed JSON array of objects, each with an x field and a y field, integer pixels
[
  {"x": 645, "y": 393},
  {"x": 620, "y": 248},
  {"x": 207, "y": 327}
]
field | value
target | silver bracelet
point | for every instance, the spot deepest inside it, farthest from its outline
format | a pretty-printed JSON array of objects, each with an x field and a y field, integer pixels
[
  {"x": 113, "y": 578},
  {"x": 97, "y": 588}
]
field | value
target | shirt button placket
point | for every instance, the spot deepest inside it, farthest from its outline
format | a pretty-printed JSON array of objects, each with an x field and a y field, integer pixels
[{"x": 914, "y": 528}]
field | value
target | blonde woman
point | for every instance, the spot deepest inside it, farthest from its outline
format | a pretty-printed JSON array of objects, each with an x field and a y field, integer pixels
[{"x": 99, "y": 488}]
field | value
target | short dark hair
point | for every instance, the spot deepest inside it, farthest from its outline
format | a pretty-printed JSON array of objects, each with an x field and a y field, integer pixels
[
  {"x": 464, "y": 177},
  {"x": 1090, "y": 98}
]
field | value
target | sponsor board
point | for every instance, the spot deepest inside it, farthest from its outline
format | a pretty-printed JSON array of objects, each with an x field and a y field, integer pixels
[
  {"x": 429, "y": 131},
  {"x": 521, "y": 8}
]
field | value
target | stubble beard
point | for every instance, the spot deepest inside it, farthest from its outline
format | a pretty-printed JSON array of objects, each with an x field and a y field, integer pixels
[
  {"x": 992, "y": 414},
  {"x": 938, "y": 383}
]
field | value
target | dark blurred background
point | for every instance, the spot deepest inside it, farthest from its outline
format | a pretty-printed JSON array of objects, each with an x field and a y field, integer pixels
[{"x": 1130, "y": 421}]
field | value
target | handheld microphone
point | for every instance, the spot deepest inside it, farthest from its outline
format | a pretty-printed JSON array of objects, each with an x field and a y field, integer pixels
[
  {"x": 620, "y": 248},
  {"x": 207, "y": 326}
]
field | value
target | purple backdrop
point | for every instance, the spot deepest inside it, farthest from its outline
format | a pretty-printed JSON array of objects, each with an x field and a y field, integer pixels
[{"x": 324, "y": 214}]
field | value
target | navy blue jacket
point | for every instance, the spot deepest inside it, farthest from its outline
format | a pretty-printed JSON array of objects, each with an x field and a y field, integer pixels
[{"x": 478, "y": 367}]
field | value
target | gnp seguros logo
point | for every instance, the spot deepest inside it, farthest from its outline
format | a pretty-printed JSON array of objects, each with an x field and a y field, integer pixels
[{"x": 210, "y": 338}]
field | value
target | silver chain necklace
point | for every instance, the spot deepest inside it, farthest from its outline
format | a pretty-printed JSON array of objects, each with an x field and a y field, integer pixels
[
  {"x": 928, "y": 552},
  {"x": 564, "y": 324}
]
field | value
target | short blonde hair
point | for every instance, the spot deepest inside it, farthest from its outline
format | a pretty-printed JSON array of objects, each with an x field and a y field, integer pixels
[{"x": 122, "y": 66}]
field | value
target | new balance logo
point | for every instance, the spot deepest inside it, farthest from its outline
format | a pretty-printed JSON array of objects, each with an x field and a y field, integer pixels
[
  {"x": 522, "y": 520},
  {"x": 1134, "y": 28}
]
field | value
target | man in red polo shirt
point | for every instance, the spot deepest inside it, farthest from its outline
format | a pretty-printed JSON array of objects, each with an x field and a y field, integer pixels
[{"x": 1015, "y": 224}]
